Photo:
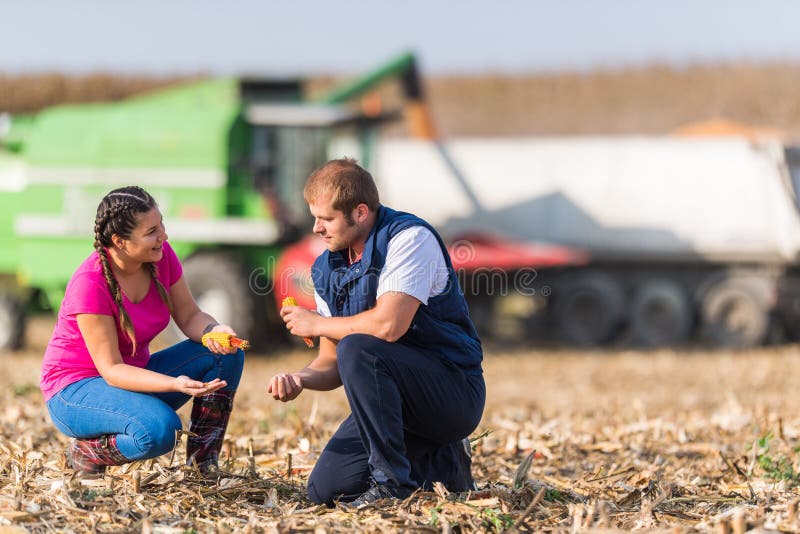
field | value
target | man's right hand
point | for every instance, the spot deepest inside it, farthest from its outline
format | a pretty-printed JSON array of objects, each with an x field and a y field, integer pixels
[{"x": 285, "y": 387}]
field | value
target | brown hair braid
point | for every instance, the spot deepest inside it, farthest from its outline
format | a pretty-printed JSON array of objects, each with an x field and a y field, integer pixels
[{"x": 116, "y": 214}]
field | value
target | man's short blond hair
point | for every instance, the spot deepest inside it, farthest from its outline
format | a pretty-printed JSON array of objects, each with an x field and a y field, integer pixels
[{"x": 345, "y": 182}]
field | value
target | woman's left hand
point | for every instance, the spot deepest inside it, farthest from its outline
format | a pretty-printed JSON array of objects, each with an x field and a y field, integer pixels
[{"x": 215, "y": 347}]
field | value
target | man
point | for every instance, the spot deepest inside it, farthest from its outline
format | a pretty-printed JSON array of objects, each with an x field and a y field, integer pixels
[{"x": 395, "y": 332}]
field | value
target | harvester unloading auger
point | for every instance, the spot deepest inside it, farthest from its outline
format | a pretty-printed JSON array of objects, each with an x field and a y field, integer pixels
[{"x": 416, "y": 111}]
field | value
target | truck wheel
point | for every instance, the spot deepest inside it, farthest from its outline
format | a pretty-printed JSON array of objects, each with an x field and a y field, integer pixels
[
  {"x": 660, "y": 314},
  {"x": 220, "y": 285},
  {"x": 12, "y": 323},
  {"x": 588, "y": 309},
  {"x": 735, "y": 313}
]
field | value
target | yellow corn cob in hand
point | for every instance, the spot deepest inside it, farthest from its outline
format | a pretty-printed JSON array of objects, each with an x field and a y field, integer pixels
[
  {"x": 226, "y": 340},
  {"x": 291, "y": 301}
]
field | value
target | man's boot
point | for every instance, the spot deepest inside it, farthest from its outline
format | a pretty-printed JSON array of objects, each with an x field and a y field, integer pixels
[
  {"x": 90, "y": 457},
  {"x": 210, "y": 414}
]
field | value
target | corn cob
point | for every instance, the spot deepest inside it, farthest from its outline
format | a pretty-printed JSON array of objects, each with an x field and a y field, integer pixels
[
  {"x": 226, "y": 340},
  {"x": 291, "y": 301}
]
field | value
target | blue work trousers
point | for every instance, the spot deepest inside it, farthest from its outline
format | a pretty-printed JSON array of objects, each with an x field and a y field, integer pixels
[
  {"x": 410, "y": 412},
  {"x": 145, "y": 423}
]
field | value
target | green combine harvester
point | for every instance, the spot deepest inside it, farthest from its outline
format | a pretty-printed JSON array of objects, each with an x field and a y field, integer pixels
[{"x": 226, "y": 160}]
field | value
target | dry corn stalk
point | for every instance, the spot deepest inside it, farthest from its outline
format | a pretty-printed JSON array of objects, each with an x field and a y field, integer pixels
[
  {"x": 291, "y": 301},
  {"x": 225, "y": 340}
]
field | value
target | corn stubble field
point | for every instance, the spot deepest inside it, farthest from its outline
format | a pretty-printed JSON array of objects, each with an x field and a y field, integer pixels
[{"x": 676, "y": 441}]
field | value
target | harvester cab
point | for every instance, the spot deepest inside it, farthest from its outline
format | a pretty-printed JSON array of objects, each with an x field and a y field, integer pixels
[{"x": 288, "y": 140}]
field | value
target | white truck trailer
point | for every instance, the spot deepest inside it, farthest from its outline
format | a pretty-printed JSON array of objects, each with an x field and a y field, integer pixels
[{"x": 688, "y": 238}]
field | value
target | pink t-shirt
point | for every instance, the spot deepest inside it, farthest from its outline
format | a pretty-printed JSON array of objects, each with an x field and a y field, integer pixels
[{"x": 66, "y": 359}]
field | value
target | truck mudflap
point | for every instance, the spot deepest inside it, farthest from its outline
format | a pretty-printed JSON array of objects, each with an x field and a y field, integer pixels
[{"x": 469, "y": 253}]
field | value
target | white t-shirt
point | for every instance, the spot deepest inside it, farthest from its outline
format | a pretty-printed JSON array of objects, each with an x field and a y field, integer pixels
[{"x": 414, "y": 265}]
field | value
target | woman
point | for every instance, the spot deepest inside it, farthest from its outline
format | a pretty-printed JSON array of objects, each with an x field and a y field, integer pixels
[{"x": 101, "y": 385}]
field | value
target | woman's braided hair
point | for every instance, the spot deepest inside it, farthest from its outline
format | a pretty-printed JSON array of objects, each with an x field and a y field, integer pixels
[{"x": 116, "y": 214}]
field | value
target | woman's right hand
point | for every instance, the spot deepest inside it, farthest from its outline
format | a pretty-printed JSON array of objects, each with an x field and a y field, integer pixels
[
  {"x": 196, "y": 388},
  {"x": 215, "y": 347}
]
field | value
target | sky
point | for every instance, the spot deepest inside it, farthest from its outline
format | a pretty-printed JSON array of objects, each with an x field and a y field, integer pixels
[{"x": 166, "y": 37}]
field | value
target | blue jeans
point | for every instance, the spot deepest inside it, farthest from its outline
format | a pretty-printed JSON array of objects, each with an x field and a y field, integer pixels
[
  {"x": 410, "y": 410},
  {"x": 145, "y": 423}
]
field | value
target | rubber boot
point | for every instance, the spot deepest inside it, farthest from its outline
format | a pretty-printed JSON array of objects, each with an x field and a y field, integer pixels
[
  {"x": 90, "y": 457},
  {"x": 210, "y": 414}
]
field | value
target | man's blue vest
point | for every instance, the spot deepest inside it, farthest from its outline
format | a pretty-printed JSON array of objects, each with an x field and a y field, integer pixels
[{"x": 441, "y": 327}]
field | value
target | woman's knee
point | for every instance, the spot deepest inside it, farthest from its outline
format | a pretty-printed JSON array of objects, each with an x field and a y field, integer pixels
[
  {"x": 228, "y": 367},
  {"x": 231, "y": 368},
  {"x": 155, "y": 436}
]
